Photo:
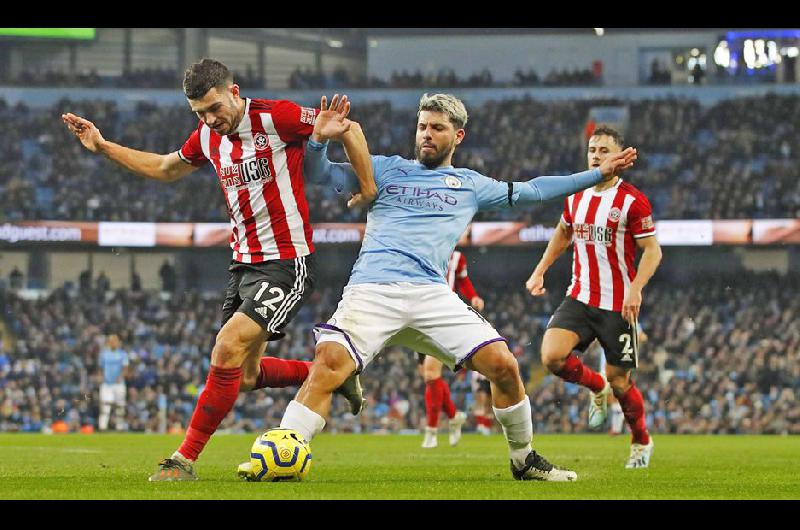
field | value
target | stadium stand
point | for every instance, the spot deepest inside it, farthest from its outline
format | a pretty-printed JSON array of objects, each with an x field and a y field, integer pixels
[
  {"x": 735, "y": 159},
  {"x": 731, "y": 367}
]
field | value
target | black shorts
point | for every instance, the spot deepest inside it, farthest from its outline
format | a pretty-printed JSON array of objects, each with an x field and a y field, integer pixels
[
  {"x": 271, "y": 292},
  {"x": 619, "y": 340}
]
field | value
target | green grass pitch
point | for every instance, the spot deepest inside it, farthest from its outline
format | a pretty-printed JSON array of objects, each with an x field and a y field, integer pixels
[{"x": 348, "y": 466}]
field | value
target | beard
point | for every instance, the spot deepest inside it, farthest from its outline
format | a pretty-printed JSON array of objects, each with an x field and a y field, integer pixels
[{"x": 435, "y": 159}]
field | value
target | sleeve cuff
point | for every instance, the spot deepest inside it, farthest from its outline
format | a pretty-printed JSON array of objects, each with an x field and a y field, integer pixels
[
  {"x": 319, "y": 146},
  {"x": 646, "y": 234}
]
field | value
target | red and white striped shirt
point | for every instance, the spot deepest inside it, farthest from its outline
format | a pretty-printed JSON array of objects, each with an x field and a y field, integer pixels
[
  {"x": 457, "y": 277},
  {"x": 604, "y": 226},
  {"x": 260, "y": 170}
]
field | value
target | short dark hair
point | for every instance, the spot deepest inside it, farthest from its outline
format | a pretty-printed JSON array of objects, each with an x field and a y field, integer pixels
[
  {"x": 202, "y": 76},
  {"x": 606, "y": 130}
]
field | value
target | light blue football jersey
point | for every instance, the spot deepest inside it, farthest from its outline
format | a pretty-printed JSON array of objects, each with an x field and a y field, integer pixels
[
  {"x": 112, "y": 362},
  {"x": 420, "y": 214}
]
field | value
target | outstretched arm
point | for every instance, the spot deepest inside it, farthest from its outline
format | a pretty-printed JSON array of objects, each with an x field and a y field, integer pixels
[
  {"x": 165, "y": 168},
  {"x": 542, "y": 189}
]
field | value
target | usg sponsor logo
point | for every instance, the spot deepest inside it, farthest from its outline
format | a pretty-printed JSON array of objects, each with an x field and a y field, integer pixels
[
  {"x": 593, "y": 233},
  {"x": 253, "y": 170}
]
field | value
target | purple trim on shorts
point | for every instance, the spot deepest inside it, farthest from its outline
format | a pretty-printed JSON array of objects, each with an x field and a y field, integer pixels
[
  {"x": 355, "y": 351},
  {"x": 460, "y": 365}
]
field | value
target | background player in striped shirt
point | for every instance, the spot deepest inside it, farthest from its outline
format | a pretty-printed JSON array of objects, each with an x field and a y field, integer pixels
[
  {"x": 606, "y": 224},
  {"x": 437, "y": 391},
  {"x": 256, "y": 147}
]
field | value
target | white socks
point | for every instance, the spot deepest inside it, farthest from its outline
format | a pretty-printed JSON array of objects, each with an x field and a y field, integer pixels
[
  {"x": 303, "y": 420},
  {"x": 177, "y": 456},
  {"x": 518, "y": 429}
]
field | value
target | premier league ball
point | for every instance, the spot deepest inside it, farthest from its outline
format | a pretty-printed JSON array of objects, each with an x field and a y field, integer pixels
[{"x": 279, "y": 455}]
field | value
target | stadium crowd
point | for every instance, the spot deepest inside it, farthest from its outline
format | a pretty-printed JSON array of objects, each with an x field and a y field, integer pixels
[
  {"x": 722, "y": 356},
  {"x": 735, "y": 159}
]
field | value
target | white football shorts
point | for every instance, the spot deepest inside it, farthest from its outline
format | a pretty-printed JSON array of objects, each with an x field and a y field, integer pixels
[
  {"x": 428, "y": 318},
  {"x": 112, "y": 393}
]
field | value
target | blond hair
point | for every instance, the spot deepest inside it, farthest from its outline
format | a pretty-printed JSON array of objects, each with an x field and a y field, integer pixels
[{"x": 447, "y": 104}]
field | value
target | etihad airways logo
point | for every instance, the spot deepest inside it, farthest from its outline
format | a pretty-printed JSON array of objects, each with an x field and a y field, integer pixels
[
  {"x": 253, "y": 170},
  {"x": 422, "y": 197}
]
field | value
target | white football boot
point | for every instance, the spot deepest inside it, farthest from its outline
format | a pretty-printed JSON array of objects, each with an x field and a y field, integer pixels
[
  {"x": 455, "y": 427},
  {"x": 598, "y": 406},
  {"x": 640, "y": 455},
  {"x": 431, "y": 440},
  {"x": 538, "y": 468}
]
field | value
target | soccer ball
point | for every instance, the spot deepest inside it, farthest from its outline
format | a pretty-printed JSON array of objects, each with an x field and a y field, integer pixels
[{"x": 280, "y": 455}]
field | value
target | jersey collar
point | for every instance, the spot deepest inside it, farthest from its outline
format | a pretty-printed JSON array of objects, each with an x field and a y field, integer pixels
[{"x": 614, "y": 187}]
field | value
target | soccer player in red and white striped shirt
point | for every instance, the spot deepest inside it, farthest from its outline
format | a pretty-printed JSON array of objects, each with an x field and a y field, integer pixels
[
  {"x": 606, "y": 225},
  {"x": 256, "y": 147},
  {"x": 437, "y": 391}
]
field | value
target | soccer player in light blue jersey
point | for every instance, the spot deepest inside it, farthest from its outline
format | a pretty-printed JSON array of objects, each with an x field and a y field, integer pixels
[
  {"x": 397, "y": 293},
  {"x": 114, "y": 364}
]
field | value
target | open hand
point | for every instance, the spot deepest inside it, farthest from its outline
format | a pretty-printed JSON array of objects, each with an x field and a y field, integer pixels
[
  {"x": 332, "y": 121},
  {"x": 617, "y": 162},
  {"x": 87, "y": 133}
]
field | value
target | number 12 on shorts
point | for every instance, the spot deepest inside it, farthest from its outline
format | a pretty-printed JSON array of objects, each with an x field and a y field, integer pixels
[{"x": 277, "y": 293}]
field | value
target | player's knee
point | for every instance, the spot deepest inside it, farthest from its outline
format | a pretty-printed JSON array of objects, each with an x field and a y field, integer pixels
[
  {"x": 430, "y": 374},
  {"x": 331, "y": 365},
  {"x": 504, "y": 370},
  {"x": 247, "y": 381},
  {"x": 229, "y": 351},
  {"x": 619, "y": 384},
  {"x": 553, "y": 357}
]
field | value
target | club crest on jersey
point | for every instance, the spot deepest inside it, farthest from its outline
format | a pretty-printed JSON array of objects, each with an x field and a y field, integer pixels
[
  {"x": 261, "y": 141},
  {"x": 307, "y": 115},
  {"x": 614, "y": 214},
  {"x": 452, "y": 182}
]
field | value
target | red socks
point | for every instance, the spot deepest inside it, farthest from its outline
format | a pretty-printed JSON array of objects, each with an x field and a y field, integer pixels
[
  {"x": 221, "y": 391},
  {"x": 447, "y": 403},
  {"x": 280, "y": 373},
  {"x": 437, "y": 397},
  {"x": 633, "y": 409},
  {"x": 214, "y": 403},
  {"x": 486, "y": 421},
  {"x": 433, "y": 403},
  {"x": 575, "y": 371}
]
